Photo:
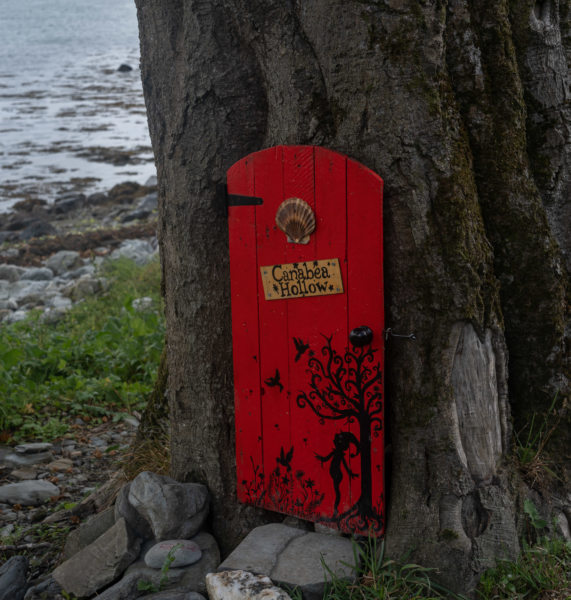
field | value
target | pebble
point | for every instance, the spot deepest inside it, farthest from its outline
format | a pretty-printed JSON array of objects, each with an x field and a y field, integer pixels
[{"x": 185, "y": 553}]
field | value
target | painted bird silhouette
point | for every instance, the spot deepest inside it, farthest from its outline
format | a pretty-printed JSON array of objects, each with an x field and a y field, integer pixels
[
  {"x": 300, "y": 346},
  {"x": 285, "y": 459},
  {"x": 275, "y": 380}
]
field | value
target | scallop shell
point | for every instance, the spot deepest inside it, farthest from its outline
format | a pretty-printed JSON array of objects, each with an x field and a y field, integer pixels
[{"x": 296, "y": 219}]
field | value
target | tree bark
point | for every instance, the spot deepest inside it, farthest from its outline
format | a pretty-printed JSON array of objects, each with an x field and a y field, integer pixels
[{"x": 462, "y": 106}]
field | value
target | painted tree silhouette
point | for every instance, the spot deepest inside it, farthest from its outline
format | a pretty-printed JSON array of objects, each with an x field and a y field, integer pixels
[{"x": 348, "y": 387}]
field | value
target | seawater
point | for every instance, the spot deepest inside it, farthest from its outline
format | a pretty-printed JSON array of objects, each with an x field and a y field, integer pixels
[{"x": 66, "y": 113}]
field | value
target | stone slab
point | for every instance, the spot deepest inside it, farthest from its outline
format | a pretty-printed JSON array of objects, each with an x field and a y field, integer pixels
[
  {"x": 100, "y": 563},
  {"x": 293, "y": 557},
  {"x": 259, "y": 551}
]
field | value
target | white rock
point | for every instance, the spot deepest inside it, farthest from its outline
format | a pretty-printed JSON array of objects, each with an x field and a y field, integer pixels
[
  {"x": 184, "y": 552},
  {"x": 242, "y": 585},
  {"x": 142, "y": 304},
  {"x": 18, "y": 315}
]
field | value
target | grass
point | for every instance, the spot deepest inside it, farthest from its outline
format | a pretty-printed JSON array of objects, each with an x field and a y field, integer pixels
[
  {"x": 541, "y": 572},
  {"x": 380, "y": 578},
  {"x": 99, "y": 361}
]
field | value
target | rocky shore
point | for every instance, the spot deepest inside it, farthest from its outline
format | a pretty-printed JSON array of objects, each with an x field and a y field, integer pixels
[{"x": 49, "y": 253}]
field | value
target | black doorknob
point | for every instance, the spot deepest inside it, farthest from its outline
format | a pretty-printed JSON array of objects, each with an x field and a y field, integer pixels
[{"x": 361, "y": 336}]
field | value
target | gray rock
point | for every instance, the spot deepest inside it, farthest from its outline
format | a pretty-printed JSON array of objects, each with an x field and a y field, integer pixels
[
  {"x": 123, "y": 509},
  {"x": 10, "y": 273},
  {"x": 13, "y": 578},
  {"x": 33, "y": 447},
  {"x": 180, "y": 580},
  {"x": 259, "y": 551},
  {"x": 84, "y": 287},
  {"x": 149, "y": 202},
  {"x": 124, "y": 68},
  {"x": 67, "y": 202},
  {"x": 183, "y": 552},
  {"x": 100, "y": 563},
  {"x": 139, "y": 251},
  {"x": 17, "y": 315},
  {"x": 25, "y": 460},
  {"x": 301, "y": 563},
  {"x": 8, "y": 305},
  {"x": 173, "y": 595},
  {"x": 28, "y": 493},
  {"x": 37, "y": 274},
  {"x": 80, "y": 272},
  {"x": 63, "y": 261},
  {"x": 88, "y": 532},
  {"x": 97, "y": 198},
  {"x": 135, "y": 215},
  {"x": 293, "y": 557},
  {"x": 242, "y": 585},
  {"x": 37, "y": 229},
  {"x": 49, "y": 588},
  {"x": 28, "y": 291},
  {"x": 172, "y": 509},
  {"x": 5, "y": 289},
  {"x": 152, "y": 181}
]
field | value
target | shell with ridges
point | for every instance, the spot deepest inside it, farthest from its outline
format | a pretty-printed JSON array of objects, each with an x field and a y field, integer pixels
[{"x": 296, "y": 219}]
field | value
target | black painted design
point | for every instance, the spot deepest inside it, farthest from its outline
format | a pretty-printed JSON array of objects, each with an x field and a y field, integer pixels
[
  {"x": 274, "y": 381},
  {"x": 287, "y": 490},
  {"x": 348, "y": 387},
  {"x": 301, "y": 347}
]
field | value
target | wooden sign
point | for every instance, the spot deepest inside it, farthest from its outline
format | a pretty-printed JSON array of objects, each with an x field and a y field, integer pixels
[
  {"x": 306, "y": 256},
  {"x": 302, "y": 280}
]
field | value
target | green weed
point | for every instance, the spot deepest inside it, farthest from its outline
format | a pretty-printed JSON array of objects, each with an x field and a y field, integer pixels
[
  {"x": 380, "y": 578},
  {"x": 100, "y": 359}
]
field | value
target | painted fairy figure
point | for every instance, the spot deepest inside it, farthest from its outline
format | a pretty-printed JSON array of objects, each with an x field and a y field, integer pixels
[{"x": 341, "y": 443}]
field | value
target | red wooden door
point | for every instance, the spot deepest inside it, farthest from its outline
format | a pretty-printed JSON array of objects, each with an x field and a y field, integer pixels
[{"x": 309, "y": 402}]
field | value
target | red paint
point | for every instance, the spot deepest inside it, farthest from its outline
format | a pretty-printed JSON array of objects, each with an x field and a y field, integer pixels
[{"x": 297, "y": 453}]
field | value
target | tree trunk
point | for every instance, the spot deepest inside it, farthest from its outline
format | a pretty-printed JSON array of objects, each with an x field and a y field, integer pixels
[{"x": 463, "y": 108}]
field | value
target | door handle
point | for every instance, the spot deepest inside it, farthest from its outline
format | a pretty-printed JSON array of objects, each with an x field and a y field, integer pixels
[{"x": 361, "y": 336}]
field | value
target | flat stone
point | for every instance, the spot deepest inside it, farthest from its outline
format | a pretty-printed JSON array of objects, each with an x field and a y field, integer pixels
[
  {"x": 301, "y": 563},
  {"x": 184, "y": 552},
  {"x": 100, "y": 563},
  {"x": 293, "y": 557},
  {"x": 33, "y": 447},
  {"x": 173, "y": 510},
  {"x": 13, "y": 578},
  {"x": 61, "y": 464},
  {"x": 24, "y": 474},
  {"x": 88, "y": 532},
  {"x": 242, "y": 585},
  {"x": 259, "y": 551},
  {"x": 28, "y": 493},
  {"x": 24, "y": 460}
]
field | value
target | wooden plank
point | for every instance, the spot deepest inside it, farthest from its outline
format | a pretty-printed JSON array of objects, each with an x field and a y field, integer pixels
[
  {"x": 365, "y": 304},
  {"x": 273, "y": 323},
  {"x": 325, "y": 319},
  {"x": 245, "y": 334}
]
